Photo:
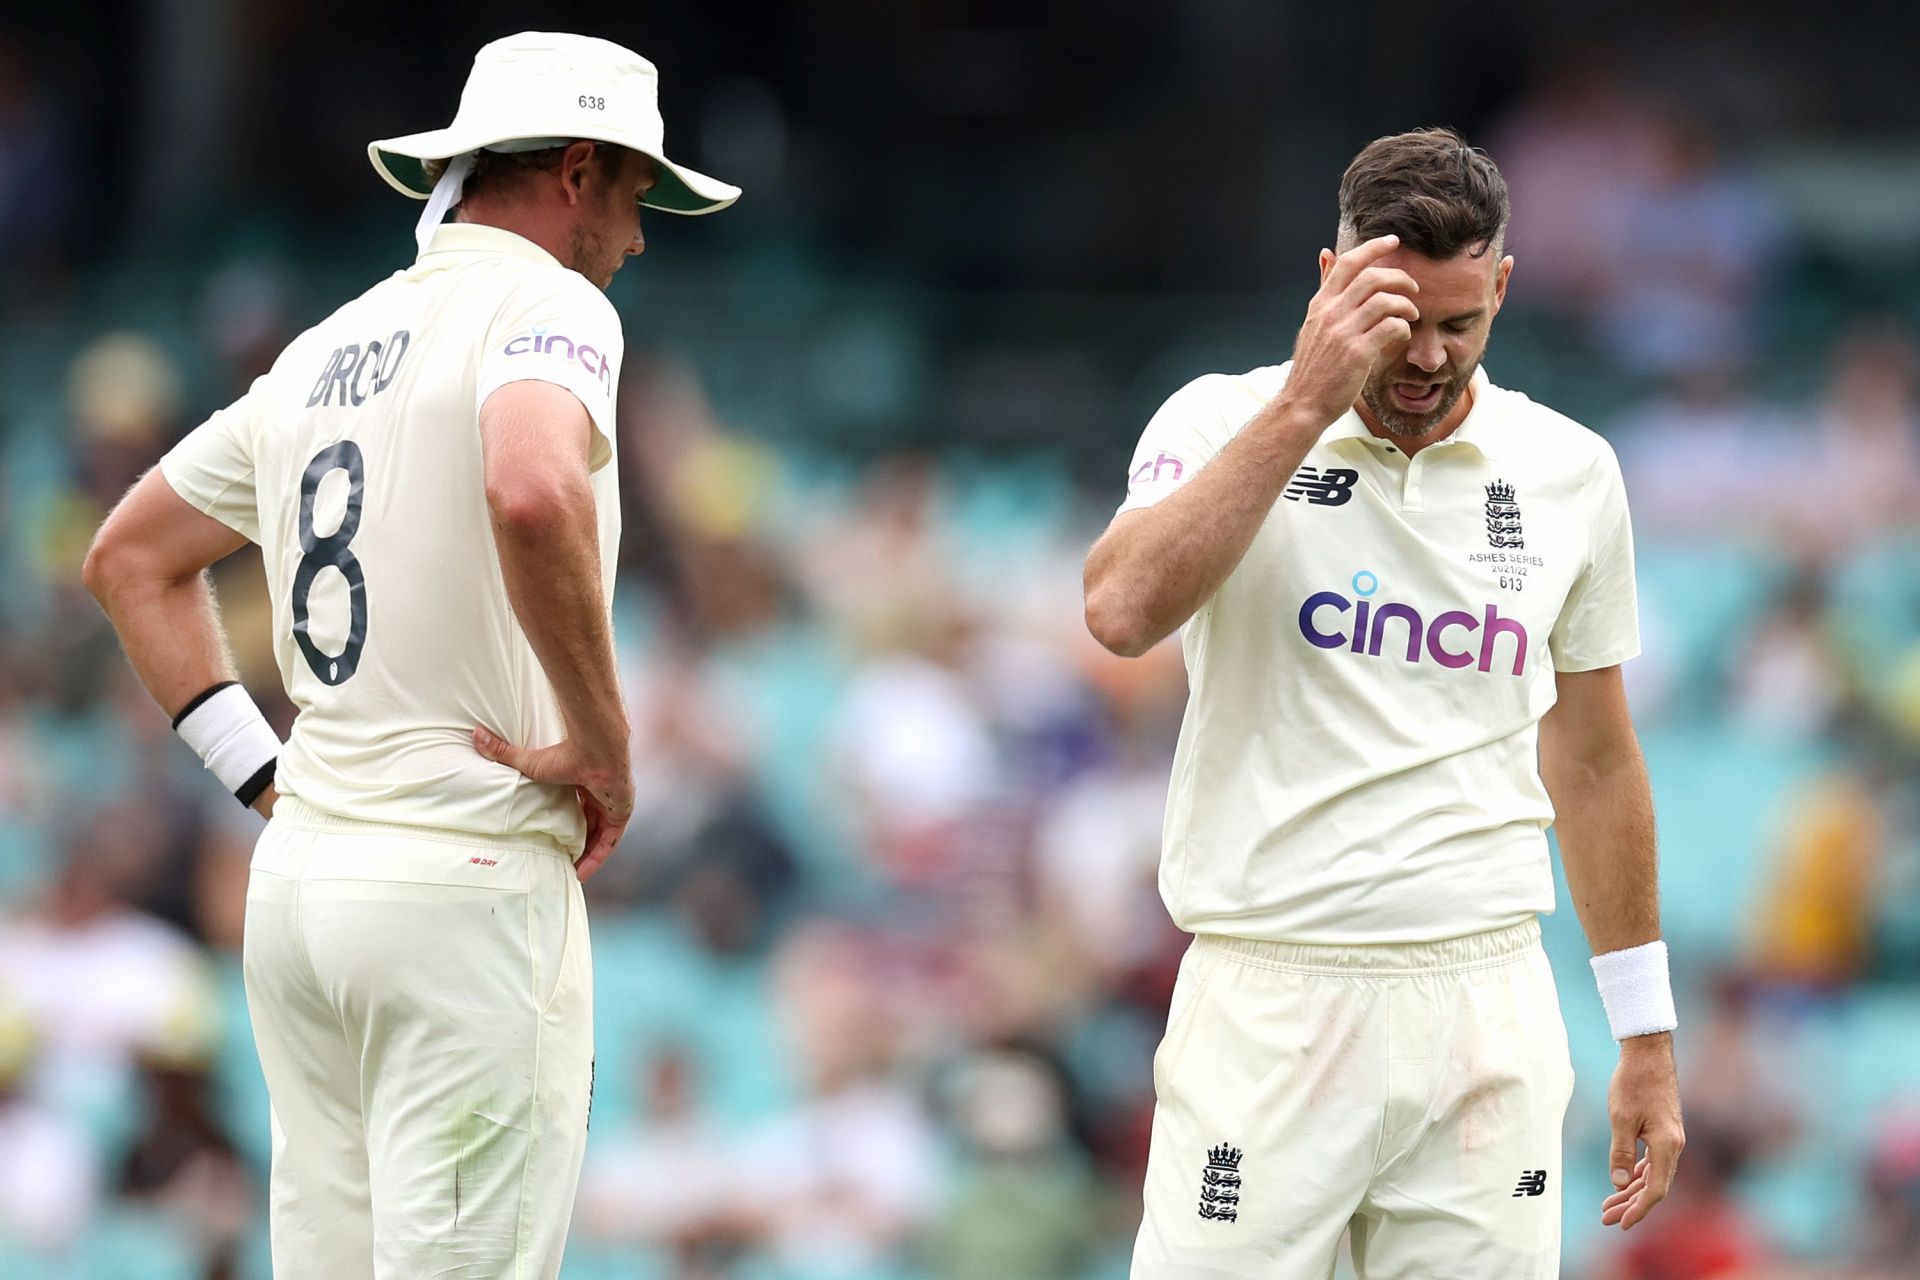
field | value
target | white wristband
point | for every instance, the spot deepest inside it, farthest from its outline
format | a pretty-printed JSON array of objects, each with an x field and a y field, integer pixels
[
  {"x": 1636, "y": 989},
  {"x": 232, "y": 738}
]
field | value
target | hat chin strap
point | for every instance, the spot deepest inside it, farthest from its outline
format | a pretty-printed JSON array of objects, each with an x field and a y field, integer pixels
[
  {"x": 447, "y": 191},
  {"x": 446, "y": 194}
]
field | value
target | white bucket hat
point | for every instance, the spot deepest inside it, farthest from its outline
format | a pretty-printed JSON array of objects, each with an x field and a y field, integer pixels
[{"x": 540, "y": 89}]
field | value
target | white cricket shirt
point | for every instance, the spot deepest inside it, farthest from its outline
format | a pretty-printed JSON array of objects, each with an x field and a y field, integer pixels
[
  {"x": 355, "y": 463},
  {"x": 1358, "y": 759}
]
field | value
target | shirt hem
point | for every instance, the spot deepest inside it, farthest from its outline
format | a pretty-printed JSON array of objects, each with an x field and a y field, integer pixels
[
  {"x": 298, "y": 814},
  {"x": 1612, "y": 658}
]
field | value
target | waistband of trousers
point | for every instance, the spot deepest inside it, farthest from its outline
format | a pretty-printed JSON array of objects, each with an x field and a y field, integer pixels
[
  {"x": 297, "y": 814},
  {"x": 1452, "y": 955}
]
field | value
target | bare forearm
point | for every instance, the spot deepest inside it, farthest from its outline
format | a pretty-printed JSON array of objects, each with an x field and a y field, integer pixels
[
  {"x": 1148, "y": 575},
  {"x": 552, "y": 572},
  {"x": 1606, "y": 832},
  {"x": 172, "y": 635},
  {"x": 147, "y": 568}
]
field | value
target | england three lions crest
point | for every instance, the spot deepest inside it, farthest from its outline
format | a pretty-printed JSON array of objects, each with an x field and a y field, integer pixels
[
  {"x": 1220, "y": 1185},
  {"x": 1503, "y": 517}
]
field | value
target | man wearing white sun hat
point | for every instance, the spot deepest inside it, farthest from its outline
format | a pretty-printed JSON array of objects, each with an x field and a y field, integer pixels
[{"x": 429, "y": 473}]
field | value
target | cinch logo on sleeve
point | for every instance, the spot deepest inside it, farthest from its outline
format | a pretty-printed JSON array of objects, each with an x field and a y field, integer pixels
[
  {"x": 540, "y": 342},
  {"x": 1324, "y": 613},
  {"x": 1166, "y": 466}
]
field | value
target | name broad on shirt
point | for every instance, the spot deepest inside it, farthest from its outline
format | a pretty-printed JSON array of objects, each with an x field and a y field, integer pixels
[{"x": 361, "y": 370}]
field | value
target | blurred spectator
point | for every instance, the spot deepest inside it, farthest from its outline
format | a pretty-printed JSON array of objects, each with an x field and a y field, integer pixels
[
  {"x": 1705, "y": 457},
  {"x": 246, "y": 320},
  {"x": 1736, "y": 1084},
  {"x": 709, "y": 847},
  {"x": 1025, "y": 681},
  {"x": 1572, "y": 150},
  {"x": 21, "y": 781},
  {"x": 1099, "y": 857},
  {"x": 1628, "y": 218},
  {"x": 879, "y": 570},
  {"x": 846, "y": 1178},
  {"x": 1895, "y": 783},
  {"x": 99, "y": 982},
  {"x": 696, "y": 504},
  {"x": 1867, "y": 429},
  {"x": 1023, "y": 1207},
  {"x": 183, "y": 1162},
  {"x": 1889, "y": 1244},
  {"x": 1791, "y": 681},
  {"x": 1098, "y": 843},
  {"x": 917, "y": 754},
  {"x": 48, "y": 1179},
  {"x": 123, "y": 400},
  {"x": 666, "y": 1180},
  {"x": 124, "y": 395},
  {"x": 1691, "y": 256},
  {"x": 1815, "y": 920}
]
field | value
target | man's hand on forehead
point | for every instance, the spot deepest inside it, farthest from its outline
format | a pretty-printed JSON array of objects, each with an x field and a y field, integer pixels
[{"x": 1361, "y": 308}]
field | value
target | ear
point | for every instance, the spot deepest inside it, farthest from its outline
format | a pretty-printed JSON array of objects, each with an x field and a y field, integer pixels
[
  {"x": 1500, "y": 282},
  {"x": 1326, "y": 264},
  {"x": 575, "y": 162}
]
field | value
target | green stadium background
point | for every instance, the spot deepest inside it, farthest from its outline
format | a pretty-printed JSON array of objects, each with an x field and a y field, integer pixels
[{"x": 880, "y": 966}]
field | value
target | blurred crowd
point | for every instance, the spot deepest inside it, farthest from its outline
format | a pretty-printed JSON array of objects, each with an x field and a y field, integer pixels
[{"x": 881, "y": 964}]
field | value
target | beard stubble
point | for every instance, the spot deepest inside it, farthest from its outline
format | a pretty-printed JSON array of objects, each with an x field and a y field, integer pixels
[{"x": 1377, "y": 392}]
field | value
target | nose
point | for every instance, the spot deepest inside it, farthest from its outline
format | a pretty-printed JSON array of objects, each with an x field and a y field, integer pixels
[
  {"x": 1425, "y": 351},
  {"x": 638, "y": 244}
]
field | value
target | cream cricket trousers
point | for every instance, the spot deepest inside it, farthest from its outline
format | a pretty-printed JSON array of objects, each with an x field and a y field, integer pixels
[
  {"x": 423, "y": 1006},
  {"x": 1412, "y": 1093}
]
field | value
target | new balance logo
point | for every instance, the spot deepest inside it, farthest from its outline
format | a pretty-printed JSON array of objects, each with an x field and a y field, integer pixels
[
  {"x": 1329, "y": 488},
  {"x": 1533, "y": 1182},
  {"x": 1220, "y": 1185}
]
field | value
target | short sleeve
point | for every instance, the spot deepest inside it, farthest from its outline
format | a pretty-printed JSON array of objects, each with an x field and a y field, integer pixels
[
  {"x": 1599, "y": 626},
  {"x": 558, "y": 328},
  {"x": 1193, "y": 425},
  {"x": 213, "y": 467}
]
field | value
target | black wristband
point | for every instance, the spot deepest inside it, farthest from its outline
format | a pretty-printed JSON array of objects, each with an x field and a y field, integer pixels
[
  {"x": 262, "y": 779},
  {"x": 193, "y": 703}
]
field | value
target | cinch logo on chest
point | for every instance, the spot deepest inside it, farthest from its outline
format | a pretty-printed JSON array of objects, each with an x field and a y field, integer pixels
[
  {"x": 360, "y": 372},
  {"x": 1424, "y": 638}
]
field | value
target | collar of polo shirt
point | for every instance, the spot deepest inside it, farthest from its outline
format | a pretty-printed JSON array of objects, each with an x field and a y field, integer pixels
[
  {"x": 476, "y": 237},
  {"x": 1479, "y": 428}
]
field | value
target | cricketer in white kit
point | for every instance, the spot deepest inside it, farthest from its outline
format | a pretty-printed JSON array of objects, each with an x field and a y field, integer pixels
[
  {"x": 1404, "y": 596},
  {"x": 430, "y": 476}
]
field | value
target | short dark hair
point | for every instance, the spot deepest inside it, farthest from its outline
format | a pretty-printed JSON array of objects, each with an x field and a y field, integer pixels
[
  {"x": 1439, "y": 195},
  {"x": 493, "y": 168}
]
